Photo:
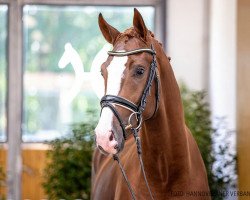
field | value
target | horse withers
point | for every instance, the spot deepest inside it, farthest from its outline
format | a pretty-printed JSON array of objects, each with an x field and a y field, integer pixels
[{"x": 142, "y": 124}]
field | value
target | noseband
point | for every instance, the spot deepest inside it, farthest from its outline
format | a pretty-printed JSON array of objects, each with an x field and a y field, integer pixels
[{"x": 137, "y": 110}]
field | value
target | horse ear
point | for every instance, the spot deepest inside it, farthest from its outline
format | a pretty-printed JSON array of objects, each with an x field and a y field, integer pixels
[
  {"x": 139, "y": 24},
  {"x": 108, "y": 31}
]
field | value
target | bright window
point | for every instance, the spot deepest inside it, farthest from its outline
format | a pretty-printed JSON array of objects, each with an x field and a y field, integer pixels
[
  {"x": 3, "y": 71},
  {"x": 59, "y": 94}
]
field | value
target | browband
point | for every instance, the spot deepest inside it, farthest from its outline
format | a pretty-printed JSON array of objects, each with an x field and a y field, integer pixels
[{"x": 127, "y": 53}]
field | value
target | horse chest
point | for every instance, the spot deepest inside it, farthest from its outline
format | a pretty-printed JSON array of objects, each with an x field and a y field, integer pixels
[{"x": 109, "y": 183}]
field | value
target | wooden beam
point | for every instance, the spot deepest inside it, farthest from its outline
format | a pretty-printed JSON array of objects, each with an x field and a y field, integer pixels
[
  {"x": 4, "y": 1},
  {"x": 243, "y": 94},
  {"x": 14, "y": 163},
  {"x": 94, "y": 2},
  {"x": 160, "y": 22}
]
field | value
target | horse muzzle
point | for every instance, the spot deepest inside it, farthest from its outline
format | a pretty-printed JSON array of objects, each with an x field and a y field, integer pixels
[{"x": 106, "y": 142}]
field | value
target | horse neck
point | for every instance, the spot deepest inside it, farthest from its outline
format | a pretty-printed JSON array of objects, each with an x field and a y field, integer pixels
[{"x": 164, "y": 139}]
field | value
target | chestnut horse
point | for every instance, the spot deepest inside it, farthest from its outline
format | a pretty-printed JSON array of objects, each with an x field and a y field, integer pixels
[{"x": 172, "y": 162}]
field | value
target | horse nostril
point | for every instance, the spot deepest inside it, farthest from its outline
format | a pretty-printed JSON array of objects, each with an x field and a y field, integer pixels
[{"x": 111, "y": 137}]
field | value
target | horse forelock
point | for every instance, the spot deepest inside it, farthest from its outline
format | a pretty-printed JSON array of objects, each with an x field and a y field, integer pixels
[{"x": 131, "y": 33}]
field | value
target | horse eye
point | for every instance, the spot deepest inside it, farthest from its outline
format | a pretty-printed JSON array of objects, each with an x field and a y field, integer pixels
[{"x": 139, "y": 71}]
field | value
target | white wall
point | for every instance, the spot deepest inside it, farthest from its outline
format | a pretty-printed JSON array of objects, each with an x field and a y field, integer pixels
[
  {"x": 223, "y": 60},
  {"x": 222, "y": 81},
  {"x": 201, "y": 40},
  {"x": 187, "y": 41}
]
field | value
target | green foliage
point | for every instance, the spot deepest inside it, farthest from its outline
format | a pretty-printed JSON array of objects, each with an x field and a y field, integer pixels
[
  {"x": 68, "y": 172},
  {"x": 197, "y": 116}
]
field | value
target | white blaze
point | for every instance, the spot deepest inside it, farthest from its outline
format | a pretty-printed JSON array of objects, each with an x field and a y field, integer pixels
[{"x": 115, "y": 76}]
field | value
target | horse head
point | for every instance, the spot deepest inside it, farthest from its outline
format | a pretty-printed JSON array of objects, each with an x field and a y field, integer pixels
[{"x": 127, "y": 73}]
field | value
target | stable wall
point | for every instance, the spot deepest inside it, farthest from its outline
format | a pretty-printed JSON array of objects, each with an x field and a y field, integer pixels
[
  {"x": 222, "y": 61},
  {"x": 187, "y": 41}
]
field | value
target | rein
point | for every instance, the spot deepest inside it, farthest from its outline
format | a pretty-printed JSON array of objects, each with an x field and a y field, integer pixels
[{"x": 137, "y": 110}]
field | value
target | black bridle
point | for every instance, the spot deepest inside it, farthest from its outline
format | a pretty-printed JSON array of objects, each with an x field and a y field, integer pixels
[{"x": 137, "y": 110}]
